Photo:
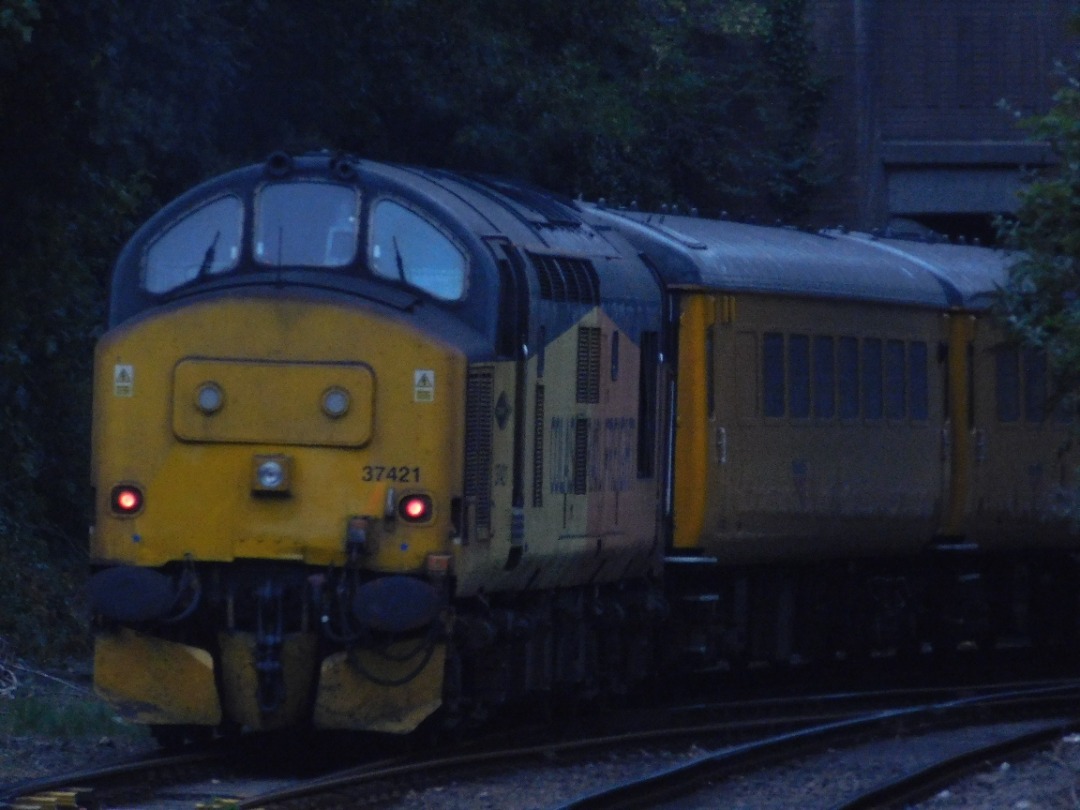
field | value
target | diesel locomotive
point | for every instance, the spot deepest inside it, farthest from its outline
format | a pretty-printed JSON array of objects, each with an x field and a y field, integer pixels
[{"x": 373, "y": 443}]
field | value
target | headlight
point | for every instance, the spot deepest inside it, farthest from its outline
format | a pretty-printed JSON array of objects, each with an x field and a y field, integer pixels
[{"x": 270, "y": 474}]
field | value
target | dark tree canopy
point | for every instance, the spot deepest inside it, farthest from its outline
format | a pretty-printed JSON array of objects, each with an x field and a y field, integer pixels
[{"x": 108, "y": 108}]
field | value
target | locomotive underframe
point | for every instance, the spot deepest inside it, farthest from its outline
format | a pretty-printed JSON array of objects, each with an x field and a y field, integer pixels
[{"x": 271, "y": 645}]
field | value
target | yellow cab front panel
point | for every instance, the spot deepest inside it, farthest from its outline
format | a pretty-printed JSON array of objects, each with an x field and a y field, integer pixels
[{"x": 355, "y": 408}]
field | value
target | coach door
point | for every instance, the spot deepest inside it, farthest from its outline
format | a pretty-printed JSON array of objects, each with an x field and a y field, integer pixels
[
  {"x": 1023, "y": 479},
  {"x": 704, "y": 419}
]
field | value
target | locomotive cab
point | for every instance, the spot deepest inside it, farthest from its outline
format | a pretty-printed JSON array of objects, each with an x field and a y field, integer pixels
[{"x": 278, "y": 451}]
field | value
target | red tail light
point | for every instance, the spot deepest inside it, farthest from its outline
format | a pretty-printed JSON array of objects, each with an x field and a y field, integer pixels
[
  {"x": 415, "y": 508},
  {"x": 126, "y": 499}
]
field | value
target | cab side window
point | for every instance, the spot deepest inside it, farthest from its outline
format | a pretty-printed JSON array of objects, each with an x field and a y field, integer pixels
[
  {"x": 204, "y": 242},
  {"x": 406, "y": 247}
]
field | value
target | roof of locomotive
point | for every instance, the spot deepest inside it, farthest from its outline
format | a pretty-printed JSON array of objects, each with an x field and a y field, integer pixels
[
  {"x": 489, "y": 205},
  {"x": 738, "y": 257},
  {"x": 473, "y": 208}
]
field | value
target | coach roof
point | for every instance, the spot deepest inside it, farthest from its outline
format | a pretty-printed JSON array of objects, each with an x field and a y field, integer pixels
[{"x": 736, "y": 257}]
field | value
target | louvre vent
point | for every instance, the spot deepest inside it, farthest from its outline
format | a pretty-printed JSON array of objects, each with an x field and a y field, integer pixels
[
  {"x": 588, "y": 364},
  {"x": 538, "y": 449},
  {"x": 581, "y": 456},
  {"x": 479, "y": 421},
  {"x": 563, "y": 278}
]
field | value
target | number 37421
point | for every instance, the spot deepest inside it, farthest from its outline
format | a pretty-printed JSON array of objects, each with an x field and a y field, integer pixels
[{"x": 402, "y": 474}]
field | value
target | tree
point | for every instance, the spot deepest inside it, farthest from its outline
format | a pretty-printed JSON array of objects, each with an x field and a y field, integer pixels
[
  {"x": 704, "y": 104},
  {"x": 1040, "y": 302}
]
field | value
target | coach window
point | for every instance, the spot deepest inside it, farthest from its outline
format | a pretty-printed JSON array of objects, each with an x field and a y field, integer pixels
[
  {"x": 1007, "y": 360},
  {"x": 799, "y": 376},
  {"x": 824, "y": 378},
  {"x": 306, "y": 225},
  {"x": 772, "y": 345},
  {"x": 205, "y": 242},
  {"x": 895, "y": 380},
  {"x": 871, "y": 379},
  {"x": 406, "y": 247},
  {"x": 1034, "y": 385},
  {"x": 847, "y": 362},
  {"x": 919, "y": 379}
]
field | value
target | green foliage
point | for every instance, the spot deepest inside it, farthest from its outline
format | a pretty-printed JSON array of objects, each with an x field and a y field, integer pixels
[
  {"x": 1041, "y": 301},
  {"x": 39, "y": 604},
  {"x": 64, "y": 713},
  {"x": 660, "y": 101},
  {"x": 17, "y": 18}
]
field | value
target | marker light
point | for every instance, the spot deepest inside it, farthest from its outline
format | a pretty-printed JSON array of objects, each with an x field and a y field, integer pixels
[
  {"x": 335, "y": 402},
  {"x": 415, "y": 508},
  {"x": 126, "y": 499},
  {"x": 209, "y": 398}
]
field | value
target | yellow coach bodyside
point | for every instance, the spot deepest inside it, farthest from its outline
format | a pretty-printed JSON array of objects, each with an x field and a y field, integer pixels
[
  {"x": 273, "y": 360},
  {"x": 1018, "y": 454},
  {"x": 775, "y": 469}
]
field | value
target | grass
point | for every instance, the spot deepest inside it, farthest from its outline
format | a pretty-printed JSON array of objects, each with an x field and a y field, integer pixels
[
  {"x": 42, "y": 716},
  {"x": 39, "y": 705}
]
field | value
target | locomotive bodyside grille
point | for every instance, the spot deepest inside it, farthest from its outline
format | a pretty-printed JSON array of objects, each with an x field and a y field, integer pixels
[
  {"x": 538, "y": 449},
  {"x": 563, "y": 278},
  {"x": 479, "y": 419},
  {"x": 581, "y": 455},
  {"x": 588, "y": 365}
]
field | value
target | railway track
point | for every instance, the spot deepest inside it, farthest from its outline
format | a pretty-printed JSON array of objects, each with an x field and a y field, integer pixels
[
  {"x": 679, "y": 751},
  {"x": 674, "y": 783},
  {"x": 919, "y": 784},
  {"x": 117, "y": 784}
]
